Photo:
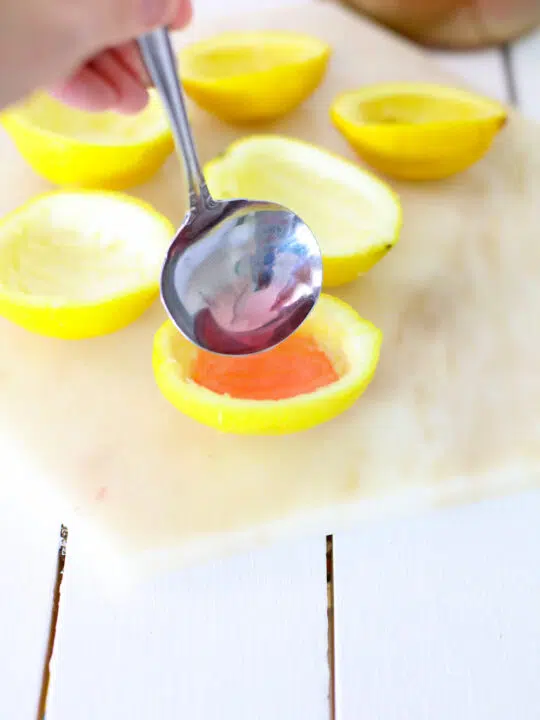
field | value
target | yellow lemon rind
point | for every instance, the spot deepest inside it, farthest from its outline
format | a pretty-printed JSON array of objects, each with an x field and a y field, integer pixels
[
  {"x": 67, "y": 320},
  {"x": 338, "y": 269},
  {"x": 342, "y": 270},
  {"x": 332, "y": 322},
  {"x": 255, "y": 96},
  {"x": 69, "y": 162},
  {"x": 427, "y": 150}
]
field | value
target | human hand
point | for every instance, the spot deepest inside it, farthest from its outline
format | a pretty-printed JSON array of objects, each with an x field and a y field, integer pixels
[{"x": 82, "y": 50}]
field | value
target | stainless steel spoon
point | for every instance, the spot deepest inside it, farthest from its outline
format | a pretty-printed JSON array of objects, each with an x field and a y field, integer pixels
[{"x": 240, "y": 276}]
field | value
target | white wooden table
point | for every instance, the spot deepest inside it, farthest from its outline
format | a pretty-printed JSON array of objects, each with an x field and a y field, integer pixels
[{"x": 434, "y": 617}]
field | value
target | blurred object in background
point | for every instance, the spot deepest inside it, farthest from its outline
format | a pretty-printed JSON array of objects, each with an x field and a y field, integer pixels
[{"x": 455, "y": 24}]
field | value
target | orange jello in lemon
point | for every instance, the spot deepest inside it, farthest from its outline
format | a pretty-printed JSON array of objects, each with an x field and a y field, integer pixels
[
  {"x": 295, "y": 367},
  {"x": 307, "y": 380}
]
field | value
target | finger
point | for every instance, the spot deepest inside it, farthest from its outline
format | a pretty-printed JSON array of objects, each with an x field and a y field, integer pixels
[
  {"x": 182, "y": 15},
  {"x": 132, "y": 60},
  {"x": 113, "y": 23},
  {"x": 131, "y": 95},
  {"x": 130, "y": 55},
  {"x": 87, "y": 90}
]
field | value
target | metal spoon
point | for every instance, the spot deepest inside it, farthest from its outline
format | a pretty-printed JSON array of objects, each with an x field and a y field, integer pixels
[{"x": 240, "y": 276}]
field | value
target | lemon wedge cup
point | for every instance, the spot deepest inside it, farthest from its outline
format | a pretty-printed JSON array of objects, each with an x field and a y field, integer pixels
[
  {"x": 72, "y": 148},
  {"x": 355, "y": 217},
  {"x": 418, "y": 131},
  {"x": 352, "y": 344},
  {"x": 248, "y": 77},
  {"x": 80, "y": 264}
]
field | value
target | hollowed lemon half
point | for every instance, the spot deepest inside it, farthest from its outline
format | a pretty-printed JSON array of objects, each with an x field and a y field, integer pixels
[
  {"x": 74, "y": 148},
  {"x": 355, "y": 217},
  {"x": 253, "y": 76},
  {"x": 418, "y": 131},
  {"x": 350, "y": 343},
  {"x": 79, "y": 264}
]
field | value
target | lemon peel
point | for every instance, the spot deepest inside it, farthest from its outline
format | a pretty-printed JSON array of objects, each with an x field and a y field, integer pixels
[
  {"x": 244, "y": 77},
  {"x": 78, "y": 149},
  {"x": 352, "y": 344},
  {"x": 418, "y": 131},
  {"x": 80, "y": 264}
]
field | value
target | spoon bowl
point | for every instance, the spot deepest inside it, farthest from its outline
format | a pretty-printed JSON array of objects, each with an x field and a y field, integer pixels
[
  {"x": 249, "y": 281},
  {"x": 240, "y": 275}
]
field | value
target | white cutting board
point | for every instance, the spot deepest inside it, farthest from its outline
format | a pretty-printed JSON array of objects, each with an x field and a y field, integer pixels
[{"x": 452, "y": 414}]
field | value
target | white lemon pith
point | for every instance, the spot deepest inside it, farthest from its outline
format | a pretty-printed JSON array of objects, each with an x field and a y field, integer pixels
[
  {"x": 108, "y": 128},
  {"x": 355, "y": 217}
]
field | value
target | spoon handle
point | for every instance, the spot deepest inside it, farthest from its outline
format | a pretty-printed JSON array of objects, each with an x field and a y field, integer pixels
[{"x": 161, "y": 63}]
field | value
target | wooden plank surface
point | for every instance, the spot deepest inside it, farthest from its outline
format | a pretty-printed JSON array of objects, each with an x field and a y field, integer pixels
[
  {"x": 444, "y": 610},
  {"x": 438, "y": 617},
  {"x": 29, "y": 543},
  {"x": 482, "y": 70},
  {"x": 243, "y": 638},
  {"x": 524, "y": 60}
]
